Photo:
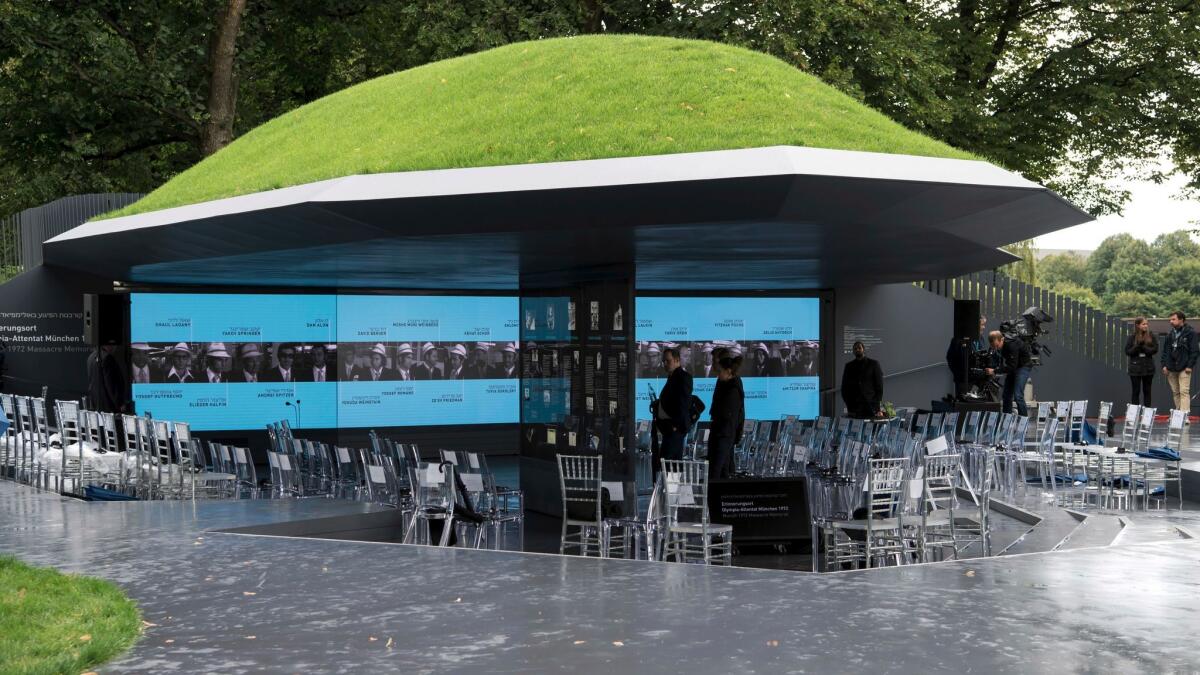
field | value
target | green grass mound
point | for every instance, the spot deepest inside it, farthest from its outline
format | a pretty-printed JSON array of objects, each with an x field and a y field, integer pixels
[
  {"x": 551, "y": 100},
  {"x": 60, "y": 623}
]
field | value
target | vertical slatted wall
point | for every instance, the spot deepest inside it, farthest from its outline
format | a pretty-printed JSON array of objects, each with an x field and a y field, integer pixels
[{"x": 1076, "y": 326}]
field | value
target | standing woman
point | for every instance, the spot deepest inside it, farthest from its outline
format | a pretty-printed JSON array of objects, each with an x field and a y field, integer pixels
[
  {"x": 1140, "y": 347},
  {"x": 728, "y": 413}
]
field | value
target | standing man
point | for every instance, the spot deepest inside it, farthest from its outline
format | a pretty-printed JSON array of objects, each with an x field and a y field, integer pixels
[
  {"x": 141, "y": 367},
  {"x": 1016, "y": 362},
  {"x": 458, "y": 358},
  {"x": 379, "y": 372},
  {"x": 506, "y": 369},
  {"x": 477, "y": 367},
  {"x": 251, "y": 363},
  {"x": 404, "y": 362},
  {"x": 674, "y": 408},
  {"x": 216, "y": 359},
  {"x": 285, "y": 357},
  {"x": 321, "y": 367},
  {"x": 862, "y": 385},
  {"x": 349, "y": 371},
  {"x": 106, "y": 382},
  {"x": 428, "y": 368},
  {"x": 1178, "y": 359},
  {"x": 181, "y": 365}
]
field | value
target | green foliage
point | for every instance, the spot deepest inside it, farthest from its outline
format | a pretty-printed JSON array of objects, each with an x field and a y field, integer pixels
[
  {"x": 574, "y": 98},
  {"x": 56, "y": 623},
  {"x": 1129, "y": 304},
  {"x": 1063, "y": 269},
  {"x": 1134, "y": 278},
  {"x": 1075, "y": 291},
  {"x": 1026, "y": 269},
  {"x": 109, "y": 95},
  {"x": 1102, "y": 259}
]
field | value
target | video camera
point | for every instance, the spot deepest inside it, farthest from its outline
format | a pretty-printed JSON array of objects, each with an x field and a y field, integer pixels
[{"x": 1029, "y": 328}]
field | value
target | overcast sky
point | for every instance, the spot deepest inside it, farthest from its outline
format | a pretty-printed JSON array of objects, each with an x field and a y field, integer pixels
[{"x": 1150, "y": 212}]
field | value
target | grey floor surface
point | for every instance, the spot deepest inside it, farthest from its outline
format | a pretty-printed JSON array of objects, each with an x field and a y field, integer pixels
[{"x": 227, "y": 603}]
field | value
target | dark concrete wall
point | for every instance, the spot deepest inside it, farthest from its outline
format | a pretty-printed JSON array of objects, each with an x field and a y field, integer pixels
[
  {"x": 41, "y": 323},
  {"x": 914, "y": 328}
]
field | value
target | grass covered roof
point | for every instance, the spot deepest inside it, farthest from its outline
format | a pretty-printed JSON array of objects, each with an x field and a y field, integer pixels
[{"x": 551, "y": 100}]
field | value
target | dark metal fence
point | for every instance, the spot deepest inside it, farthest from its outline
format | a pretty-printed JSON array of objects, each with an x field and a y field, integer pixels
[
  {"x": 1077, "y": 327},
  {"x": 22, "y": 234}
]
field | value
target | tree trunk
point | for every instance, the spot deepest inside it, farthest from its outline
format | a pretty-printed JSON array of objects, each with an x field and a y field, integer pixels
[{"x": 221, "y": 105}]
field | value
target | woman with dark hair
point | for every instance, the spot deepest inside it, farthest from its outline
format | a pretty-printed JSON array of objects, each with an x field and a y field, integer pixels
[
  {"x": 1140, "y": 347},
  {"x": 728, "y": 413}
]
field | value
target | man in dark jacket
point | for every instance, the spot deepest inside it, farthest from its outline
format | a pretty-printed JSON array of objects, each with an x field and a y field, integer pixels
[
  {"x": 674, "y": 408},
  {"x": 1016, "y": 362},
  {"x": 1179, "y": 354},
  {"x": 862, "y": 384},
  {"x": 106, "y": 382}
]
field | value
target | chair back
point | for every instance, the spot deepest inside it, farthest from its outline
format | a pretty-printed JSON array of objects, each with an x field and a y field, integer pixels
[
  {"x": 380, "y": 477},
  {"x": 1145, "y": 428},
  {"x": 685, "y": 489},
  {"x": 1077, "y": 416},
  {"x": 1102, "y": 430},
  {"x": 950, "y": 425},
  {"x": 433, "y": 486},
  {"x": 886, "y": 483},
  {"x": 579, "y": 482},
  {"x": 244, "y": 466},
  {"x": 987, "y": 429},
  {"x": 1016, "y": 440},
  {"x": 70, "y": 429},
  {"x": 970, "y": 430},
  {"x": 940, "y": 481},
  {"x": 1129, "y": 425},
  {"x": 1175, "y": 424},
  {"x": 1046, "y": 442}
]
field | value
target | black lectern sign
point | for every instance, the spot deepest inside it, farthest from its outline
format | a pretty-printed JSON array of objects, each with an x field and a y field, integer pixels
[{"x": 761, "y": 510}]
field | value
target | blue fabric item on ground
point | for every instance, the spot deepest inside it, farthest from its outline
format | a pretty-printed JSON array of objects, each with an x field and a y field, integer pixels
[
  {"x": 96, "y": 494},
  {"x": 1168, "y": 454}
]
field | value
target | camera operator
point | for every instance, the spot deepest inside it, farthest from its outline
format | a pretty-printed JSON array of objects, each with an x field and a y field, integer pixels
[{"x": 1016, "y": 362}]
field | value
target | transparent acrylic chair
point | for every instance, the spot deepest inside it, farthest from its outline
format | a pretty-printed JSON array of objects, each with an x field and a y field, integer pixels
[
  {"x": 689, "y": 534},
  {"x": 879, "y": 536},
  {"x": 433, "y": 500},
  {"x": 579, "y": 480},
  {"x": 939, "y": 484},
  {"x": 636, "y": 536},
  {"x": 247, "y": 476}
]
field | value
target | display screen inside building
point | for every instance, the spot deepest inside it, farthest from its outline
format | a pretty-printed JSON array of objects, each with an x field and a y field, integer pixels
[
  {"x": 778, "y": 339},
  {"x": 224, "y": 362}
]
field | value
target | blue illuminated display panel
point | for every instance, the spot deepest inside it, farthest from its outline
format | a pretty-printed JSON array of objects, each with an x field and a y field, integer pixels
[
  {"x": 224, "y": 362},
  {"x": 778, "y": 338}
]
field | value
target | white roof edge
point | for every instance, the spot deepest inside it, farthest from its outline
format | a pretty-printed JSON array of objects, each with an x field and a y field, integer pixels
[{"x": 691, "y": 166}]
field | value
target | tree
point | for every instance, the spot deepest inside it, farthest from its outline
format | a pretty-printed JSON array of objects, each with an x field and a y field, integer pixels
[
  {"x": 1180, "y": 301},
  {"x": 1072, "y": 93},
  {"x": 1076, "y": 292},
  {"x": 1062, "y": 269},
  {"x": 1181, "y": 276},
  {"x": 1026, "y": 269},
  {"x": 1128, "y": 304},
  {"x": 1174, "y": 246},
  {"x": 1101, "y": 260}
]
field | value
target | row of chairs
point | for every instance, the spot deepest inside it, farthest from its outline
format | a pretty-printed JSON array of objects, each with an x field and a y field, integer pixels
[
  {"x": 675, "y": 525},
  {"x": 457, "y": 493},
  {"x": 127, "y": 454}
]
